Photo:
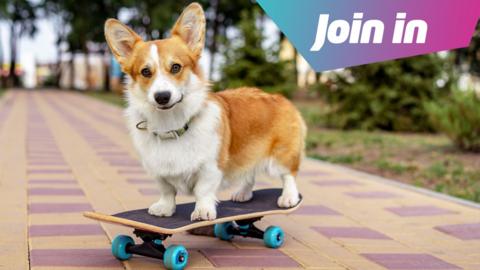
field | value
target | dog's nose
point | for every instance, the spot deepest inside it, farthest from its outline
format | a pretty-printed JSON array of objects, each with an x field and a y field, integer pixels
[{"x": 162, "y": 98}]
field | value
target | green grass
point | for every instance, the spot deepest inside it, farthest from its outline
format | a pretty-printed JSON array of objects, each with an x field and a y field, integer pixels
[
  {"x": 108, "y": 97},
  {"x": 313, "y": 112},
  {"x": 457, "y": 180},
  {"x": 426, "y": 160},
  {"x": 423, "y": 160},
  {"x": 341, "y": 159},
  {"x": 436, "y": 170},
  {"x": 393, "y": 167}
]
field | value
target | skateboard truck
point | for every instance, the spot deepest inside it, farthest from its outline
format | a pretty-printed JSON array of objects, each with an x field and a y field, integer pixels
[
  {"x": 174, "y": 256},
  {"x": 152, "y": 244},
  {"x": 273, "y": 236}
]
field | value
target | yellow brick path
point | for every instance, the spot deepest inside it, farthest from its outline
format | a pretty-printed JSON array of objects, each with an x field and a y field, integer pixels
[{"x": 62, "y": 153}]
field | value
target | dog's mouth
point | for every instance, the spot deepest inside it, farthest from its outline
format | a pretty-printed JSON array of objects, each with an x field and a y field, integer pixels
[{"x": 164, "y": 108}]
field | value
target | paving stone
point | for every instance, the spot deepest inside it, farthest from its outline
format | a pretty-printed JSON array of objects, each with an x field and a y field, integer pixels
[
  {"x": 372, "y": 195},
  {"x": 149, "y": 191},
  {"x": 131, "y": 171},
  {"x": 350, "y": 232},
  {"x": 73, "y": 257},
  {"x": 55, "y": 192},
  {"x": 315, "y": 210},
  {"x": 416, "y": 211},
  {"x": 339, "y": 182},
  {"x": 248, "y": 258},
  {"x": 40, "y": 208},
  {"x": 48, "y": 171},
  {"x": 140, "y": 181},
  {"x": 64, "y": 229},
  {"x": 409, "y": 261},
  {"x": 469, "y": 231},
  {"x": 52, "y": 181},
  {"x": 311, "y": 173}
]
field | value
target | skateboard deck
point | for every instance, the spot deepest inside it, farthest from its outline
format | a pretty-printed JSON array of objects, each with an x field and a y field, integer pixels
[{"x": 263, "y": 203}]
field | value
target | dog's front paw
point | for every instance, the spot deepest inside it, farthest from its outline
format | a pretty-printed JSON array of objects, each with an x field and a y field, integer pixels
[
  {"x": 204, "y": 213},
  {"x": 242, "y": 196},
  {"x": 161, "y": 209},
  {"x": 288, "y": 200}
]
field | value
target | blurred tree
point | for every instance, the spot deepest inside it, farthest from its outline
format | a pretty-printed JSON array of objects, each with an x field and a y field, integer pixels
[
  {"x": 87, "y": 33},
  {"x": 82, "y": 31},
  {"x": 389, "y": 95},
  {"x": 248, "y": 63},
  {"x": 150, "y": 18},
  {"x": 458, "y": 116},
  {"x": 3, "y": 10},
  {"x": 154, "y": 19},
  {"x": 21, "y": 16},
  {"x": 55, "y": 10},
  {"x": 468, "y": 59},
  {"x": 221, "y": 14}
]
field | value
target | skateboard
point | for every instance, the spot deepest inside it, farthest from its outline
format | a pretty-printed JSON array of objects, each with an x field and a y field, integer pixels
[{"x": 233, "y": 219}]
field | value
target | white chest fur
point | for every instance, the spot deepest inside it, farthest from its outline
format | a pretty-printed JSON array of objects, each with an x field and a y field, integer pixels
[{"x": 177, "y": 160}]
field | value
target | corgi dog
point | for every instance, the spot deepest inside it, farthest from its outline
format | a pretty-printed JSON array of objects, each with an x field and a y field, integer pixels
[{"x": 194, "y": 141}]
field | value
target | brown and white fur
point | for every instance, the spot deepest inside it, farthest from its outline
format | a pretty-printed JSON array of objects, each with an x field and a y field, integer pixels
[{"x": 233, "y": 135}]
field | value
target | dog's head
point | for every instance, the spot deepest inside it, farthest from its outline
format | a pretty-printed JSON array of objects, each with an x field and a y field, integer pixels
[{"x": 162, "y": 71}]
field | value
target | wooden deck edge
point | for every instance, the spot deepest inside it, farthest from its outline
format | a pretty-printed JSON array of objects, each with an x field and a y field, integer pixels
[{"x": 151, "y": 228}]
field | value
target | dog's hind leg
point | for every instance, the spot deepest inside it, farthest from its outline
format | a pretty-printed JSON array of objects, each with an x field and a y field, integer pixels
[
  {"x": 290, "y": 195},
  {"x": 244, "y": 192},
  {"x": 287, "y": 168}
]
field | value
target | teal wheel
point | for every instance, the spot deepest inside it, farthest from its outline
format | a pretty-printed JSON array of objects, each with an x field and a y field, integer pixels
[
  {"x": 273, "y": 237},
  {"x": 175, "y": 257},
  {"x": 119, "y": 247},
  {"x": 223, "y": 231}
]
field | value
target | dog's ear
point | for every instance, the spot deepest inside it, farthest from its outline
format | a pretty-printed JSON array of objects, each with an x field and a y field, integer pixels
[
  {"x": 121, "y": 39},
  {"x": 190, "y": 27}
]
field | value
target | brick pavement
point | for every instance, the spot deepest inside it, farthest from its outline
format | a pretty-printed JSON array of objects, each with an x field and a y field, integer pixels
[{"x": 63, "y": 153}]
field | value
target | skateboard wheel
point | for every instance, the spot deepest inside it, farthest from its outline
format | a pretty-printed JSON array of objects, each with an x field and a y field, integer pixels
[
  {"x": 223, "y": 231},
  {"x": 273, "y": 237},
  {"x": 175, "y": 257},
  {"x": 119, "y": 247}
]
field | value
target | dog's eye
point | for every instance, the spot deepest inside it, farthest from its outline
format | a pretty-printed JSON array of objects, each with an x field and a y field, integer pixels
[
  {"x": 175, "y": 68},
  {"x": 146, "y": 72}
]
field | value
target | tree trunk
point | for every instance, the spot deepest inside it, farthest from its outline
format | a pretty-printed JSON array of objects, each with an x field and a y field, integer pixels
[
  {"x": 2, "y": 78},
  {"x": 212, "y": 48},
  {"x": 1, "y": 52},
  {"x": 58, "y": 68},
  {"x": 72, "y": 71},
  {"x": 13, "y": 78},
  {"x": 318, "y": 77},
  {"x": 106, "y": 68},
  {"x": 87, "y": 68}
]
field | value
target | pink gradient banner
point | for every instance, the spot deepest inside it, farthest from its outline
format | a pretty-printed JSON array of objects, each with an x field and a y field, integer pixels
[{"x": 443, "y": 24}]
